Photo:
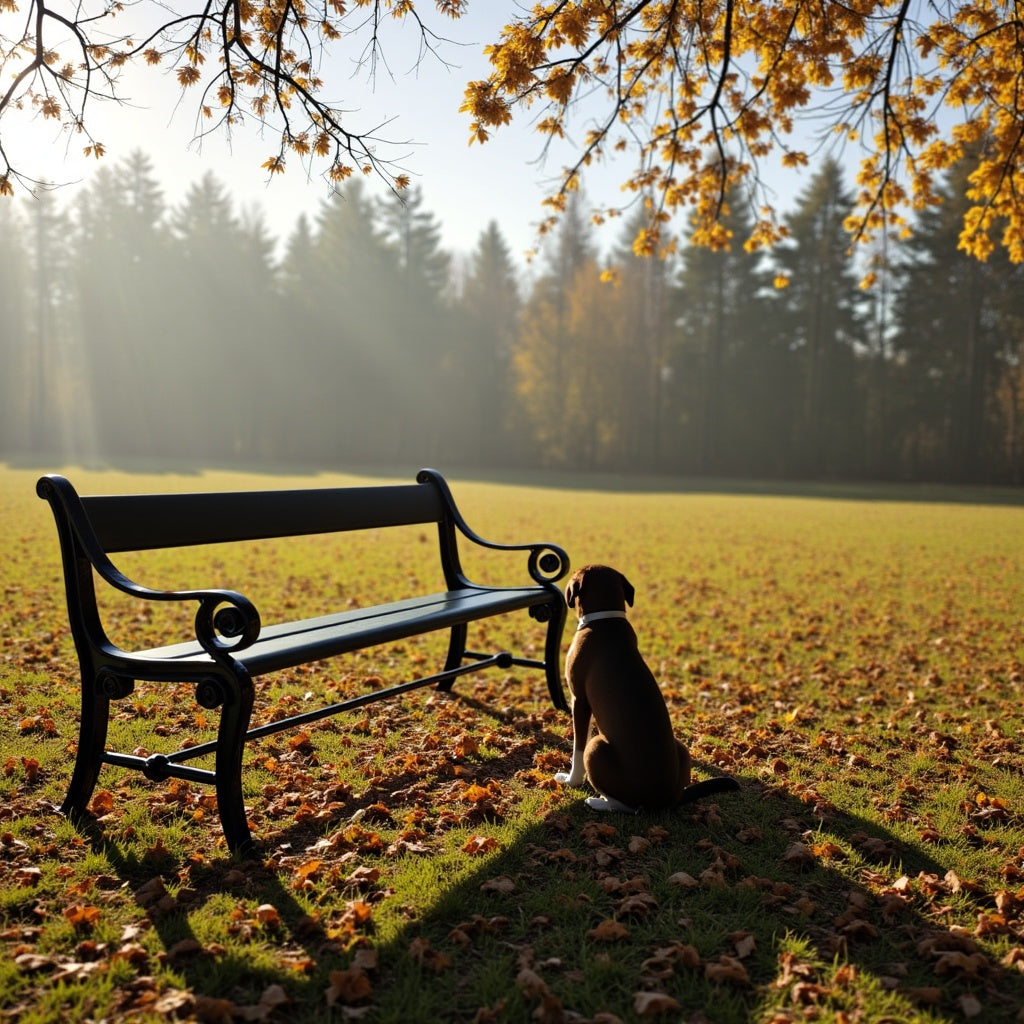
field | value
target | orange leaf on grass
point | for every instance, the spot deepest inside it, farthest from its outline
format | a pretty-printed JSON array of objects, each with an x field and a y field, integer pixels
[
  {"x": 348, "y": 986},
  {"x": 102, "y": 803},
  {"x": 307, "y": 870},
  {"x": 608, "y": 930},
  {"x": 362, "y": 878},
  {"x": 477, "y": 845},
  {"x": 466, "y": 745},
  {"x": 82, "y": 915},
  {"x": 300, "y": 742},
  {"x": 267, "y": 915},
  {"x": 357, "y": 913}
]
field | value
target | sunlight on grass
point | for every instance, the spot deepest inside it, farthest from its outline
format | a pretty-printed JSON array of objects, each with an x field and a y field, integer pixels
[{"x": 856, "y": 664}]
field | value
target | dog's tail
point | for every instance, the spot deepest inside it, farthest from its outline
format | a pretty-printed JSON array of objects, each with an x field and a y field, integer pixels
[{"x": 699, "y": 790}]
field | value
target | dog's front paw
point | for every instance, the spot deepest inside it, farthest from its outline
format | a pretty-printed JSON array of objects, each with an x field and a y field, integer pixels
[{"x": 569, "y": 778}]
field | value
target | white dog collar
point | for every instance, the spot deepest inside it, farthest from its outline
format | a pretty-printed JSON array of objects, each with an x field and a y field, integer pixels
[{"x": 586, "y": 620}]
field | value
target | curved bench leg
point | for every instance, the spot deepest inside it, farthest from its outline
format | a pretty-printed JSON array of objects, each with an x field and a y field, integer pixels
[
  {"x": 235, "y": 713},
  {"x": 92, "y": 738},
  {"x": 553, "y": 654}
]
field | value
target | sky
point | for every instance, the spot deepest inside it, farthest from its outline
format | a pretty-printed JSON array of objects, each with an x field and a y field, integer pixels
[{"x": 464, "y": 186}]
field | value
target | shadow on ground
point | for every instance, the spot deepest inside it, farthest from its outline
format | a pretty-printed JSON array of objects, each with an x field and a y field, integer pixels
[{"x": 757, "y": 907}]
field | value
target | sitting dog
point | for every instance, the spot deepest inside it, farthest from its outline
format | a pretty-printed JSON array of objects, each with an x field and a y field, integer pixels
[{"x": 631, "y": 757}]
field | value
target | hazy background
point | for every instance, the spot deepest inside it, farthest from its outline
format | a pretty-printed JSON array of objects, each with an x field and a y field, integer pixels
[
  {"x": 138, "y": 330},
  {"x": 168, "y": 303}
]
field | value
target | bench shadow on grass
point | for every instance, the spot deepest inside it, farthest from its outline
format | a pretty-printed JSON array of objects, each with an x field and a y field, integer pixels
[{"x": 759, "y": 922}]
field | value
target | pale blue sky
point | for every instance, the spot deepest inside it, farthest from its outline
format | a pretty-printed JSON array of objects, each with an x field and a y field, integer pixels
[{"x": 464, "y": 186}]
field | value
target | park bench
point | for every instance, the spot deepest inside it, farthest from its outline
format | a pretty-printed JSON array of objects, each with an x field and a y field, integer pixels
[{"x": 232, "y": 646}]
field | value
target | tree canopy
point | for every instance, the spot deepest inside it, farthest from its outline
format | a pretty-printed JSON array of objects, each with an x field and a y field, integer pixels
[{"x": 699, "y": 94}]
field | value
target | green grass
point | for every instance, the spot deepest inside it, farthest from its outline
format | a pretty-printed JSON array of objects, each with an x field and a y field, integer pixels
[{"x": 855, "y": 660}]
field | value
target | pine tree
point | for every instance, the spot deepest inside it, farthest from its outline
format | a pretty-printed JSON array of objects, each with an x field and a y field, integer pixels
[
  {"x": 223, "y": 267},
  {"x": 644, "y": 292},
  {"x": 480, "y": 370},
  {"x": 420, "y": 281},
  {"x": 823, "y": 311},
  {"x": 48, "y": 385},
  {"x": 959, "y": 323},
  {"x": 14, "y": 337},
  {"x": 547, "y": 350},
  {"x": 358, "y": 354},
  {"x": 120, "y": 281},
  {"x": 732, "y": 391}
]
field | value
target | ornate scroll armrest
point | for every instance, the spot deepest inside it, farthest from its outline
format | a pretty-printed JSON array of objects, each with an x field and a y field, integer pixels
[
  {"x": 547, "y": 563},
  {"x": 225, "y": 622}
]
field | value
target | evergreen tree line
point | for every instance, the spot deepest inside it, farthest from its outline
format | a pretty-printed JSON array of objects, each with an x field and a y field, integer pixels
[{"x": 136, "y": 331}]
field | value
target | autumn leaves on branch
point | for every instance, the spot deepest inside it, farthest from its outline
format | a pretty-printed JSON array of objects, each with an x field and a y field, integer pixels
[{"x": 698, "y": 94}]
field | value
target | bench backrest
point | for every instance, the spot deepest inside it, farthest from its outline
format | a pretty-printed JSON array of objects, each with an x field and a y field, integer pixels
[
  {"x": 92, "y": 528},
  {"x": 139, "y": 522}
]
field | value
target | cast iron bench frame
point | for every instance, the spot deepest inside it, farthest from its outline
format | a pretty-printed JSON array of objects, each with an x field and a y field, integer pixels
[{"x": 232, "y": 646}]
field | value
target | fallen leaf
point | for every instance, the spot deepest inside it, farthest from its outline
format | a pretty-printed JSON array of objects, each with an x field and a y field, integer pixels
[
  {"x": 82, "y": 916},
  {"x": 502, "y": 884},
  {"x": 424, "y": 954},
  {"x": 744, "y": 943},
  {"x": 348, "y": 986},
  {"x": 727, "y": 968},
  {"x": 477, "y": 845},
  {"x": 267, "y": 915},
  {"x": 608, "y": 930},
  {"x": 681, "y": 878},
  {"x": 798, "y": 855},
  {"x": 650, "y": 1004},
  {"x": 970, "y": 1005}
]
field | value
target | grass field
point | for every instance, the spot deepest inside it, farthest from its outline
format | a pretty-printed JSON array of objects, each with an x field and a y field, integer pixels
[{"x": 855, "y": 661}]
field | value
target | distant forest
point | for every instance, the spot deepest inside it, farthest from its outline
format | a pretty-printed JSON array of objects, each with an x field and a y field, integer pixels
[{"x": 133, "y": 330}]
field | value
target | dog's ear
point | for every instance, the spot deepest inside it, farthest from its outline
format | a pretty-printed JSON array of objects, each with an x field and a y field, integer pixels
[
  {"x": 572, "y": 591},
  {"x": 627, "y": 591}
]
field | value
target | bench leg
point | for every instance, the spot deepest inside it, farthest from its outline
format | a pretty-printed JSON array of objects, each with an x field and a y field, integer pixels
[
  {"x": 456, "y": 652},
  {"x": 92, "y": 739},
  {"x": 235, "y": 713},
  {"x": 553, "y": 655}
]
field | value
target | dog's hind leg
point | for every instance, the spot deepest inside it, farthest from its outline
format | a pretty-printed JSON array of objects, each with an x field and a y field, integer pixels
[
  {"x": 607, "y": 774},
  {"x": 606, "y": 803},
  {"x": 684, "y": 768}
]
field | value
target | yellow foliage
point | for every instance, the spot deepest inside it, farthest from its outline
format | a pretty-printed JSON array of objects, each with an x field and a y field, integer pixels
[
  {"x": 188, "y": 75},
  {"x": 702, "y": 92},
  {"x": 685, "y": 78}
]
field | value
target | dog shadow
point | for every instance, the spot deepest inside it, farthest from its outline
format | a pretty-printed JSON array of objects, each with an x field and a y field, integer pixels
[{"x": 724, "y": 910}]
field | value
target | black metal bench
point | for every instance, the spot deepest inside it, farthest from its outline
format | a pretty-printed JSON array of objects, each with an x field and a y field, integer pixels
[{"x": 232, "y": 646}]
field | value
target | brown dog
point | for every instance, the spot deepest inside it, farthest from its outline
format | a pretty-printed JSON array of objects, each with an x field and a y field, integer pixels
[{"x": 631, "y": 757}]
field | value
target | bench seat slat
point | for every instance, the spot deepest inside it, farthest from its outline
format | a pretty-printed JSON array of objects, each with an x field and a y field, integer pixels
[{"x": 288, "y": 644}]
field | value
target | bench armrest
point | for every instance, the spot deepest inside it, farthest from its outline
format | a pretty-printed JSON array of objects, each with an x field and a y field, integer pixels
[
  {"x": 225, "y": 621},
  {"x": 547, "y": 563}
]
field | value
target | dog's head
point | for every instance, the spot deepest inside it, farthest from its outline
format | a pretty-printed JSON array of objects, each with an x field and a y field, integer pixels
[{"x": 598, "y": 588}]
